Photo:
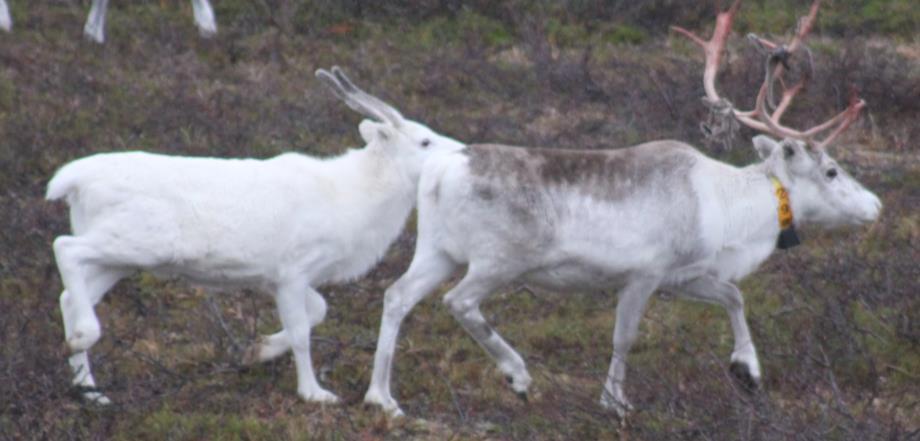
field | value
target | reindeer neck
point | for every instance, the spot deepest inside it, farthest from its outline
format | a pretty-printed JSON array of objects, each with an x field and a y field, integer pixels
[{"x": 751, "y": 206}]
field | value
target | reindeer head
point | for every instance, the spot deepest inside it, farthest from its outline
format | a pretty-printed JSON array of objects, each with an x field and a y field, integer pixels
[
  {"x": 821, "y": 190},
  {"x": 387, "y": 130}
]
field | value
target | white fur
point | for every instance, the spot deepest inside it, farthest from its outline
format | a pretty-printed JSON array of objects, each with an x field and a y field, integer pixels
[
  {"x": 6, "y": 23},
  {"x": 693, "y": 231},
  {"x": 282, "y": 225},
  {"x": 95, "y": 21}
]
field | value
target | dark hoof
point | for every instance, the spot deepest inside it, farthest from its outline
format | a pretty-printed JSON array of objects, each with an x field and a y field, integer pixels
[
  {"x": 78, "y": 391},
  {"x": 743, "y": 376},
  {"x": 88, "y": 395}
]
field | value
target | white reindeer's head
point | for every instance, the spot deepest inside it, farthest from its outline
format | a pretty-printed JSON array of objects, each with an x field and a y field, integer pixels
[
  {"x": 828, "y": 195},
  {"x": 824, "y": 192},
  {"x": 387, "y": 130}
]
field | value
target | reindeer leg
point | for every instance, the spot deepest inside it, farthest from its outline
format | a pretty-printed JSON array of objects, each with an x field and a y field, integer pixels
[
  {"x": 463, "y": 301},
  {"x": 425, "y": 273},
  {"x": 630, "y": 307},
  {"x": 744, "y": 363},
  {"x": 85, "y": 284},
  {"x": 95, "y": 21}
]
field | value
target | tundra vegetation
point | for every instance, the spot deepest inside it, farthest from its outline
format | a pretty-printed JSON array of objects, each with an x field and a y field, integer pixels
[{"x": 835, "y": 321}]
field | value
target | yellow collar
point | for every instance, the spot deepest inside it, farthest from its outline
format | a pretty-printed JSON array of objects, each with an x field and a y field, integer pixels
[
  {"x": 784, "y": 211},
  {"x": 787, "y": 236}
]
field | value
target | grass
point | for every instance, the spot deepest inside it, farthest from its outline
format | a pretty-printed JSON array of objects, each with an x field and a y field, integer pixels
[{"x": 833, "y": 320}]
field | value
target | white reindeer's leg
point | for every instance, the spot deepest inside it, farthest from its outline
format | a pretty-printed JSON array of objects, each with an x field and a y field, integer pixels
[
  {"x": 85, "y": 285},
  {"x": 292, "y": 308},
  {"x": 270, "y": 347},
  {"x": 745, "y": 365},
  {"x": 204, "y": 18},
  {"x": 630, "y": 307},
  {"x": 6, "y": 23},
  {"x": 426, "y": 272},
  {"x": 463, "y": 301},
  {"x": 95, "y": 21}
]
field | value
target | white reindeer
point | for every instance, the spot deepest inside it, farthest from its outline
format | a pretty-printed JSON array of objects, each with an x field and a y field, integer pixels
[
  {"x": 660, "y": 215},
  {"x": 95, "y": 22},
  {"x": 282, "y": 225}
]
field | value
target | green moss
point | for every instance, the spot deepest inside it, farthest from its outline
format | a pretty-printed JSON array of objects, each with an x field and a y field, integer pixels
[
  {"x": 893, "y": 352},
  {"x": 7, "y": 93},
  {"x": 566, "y": 34},
  {"x": 168, "y": 424},
  {"x": 625, "y": 34}
]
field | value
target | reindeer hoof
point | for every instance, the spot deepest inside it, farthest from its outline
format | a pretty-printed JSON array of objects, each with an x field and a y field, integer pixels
[
  {"x": 251, "y": 355},
  {"x": 742, "y": 374},
  {"x": 90, "y": 395},
  {"x": 620, "y": 406}
]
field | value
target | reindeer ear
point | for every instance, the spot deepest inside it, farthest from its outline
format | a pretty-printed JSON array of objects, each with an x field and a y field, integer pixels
[
  {"x": 765, "y": 146},
  {"x": 374, "y": 131}
]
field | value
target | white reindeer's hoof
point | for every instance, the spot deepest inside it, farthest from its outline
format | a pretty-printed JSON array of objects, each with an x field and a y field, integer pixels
[
  {"x": 252, "y": 355},
  {"x": 387, "y": 404},
  {"x": 208, "y": 30},
  {"x": 743, "y": 375},
  {"x": 95, "y": 35},
  {"x": 519, "y": 385},
  {"x": 519, "y": 379},
  {"x": 320, "y": 396},
  {"x": 266, "y": 348},
  {"x": 746, "y": 369},
  {"x": 91, "y": 395},
  {"x": 394, "y": 413},
  {"x": 97, "y": 398},
  {"x": 621, "y": 405}
]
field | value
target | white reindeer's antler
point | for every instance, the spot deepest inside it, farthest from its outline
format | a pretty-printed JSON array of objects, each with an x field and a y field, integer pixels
[
  {"x": 356, "y": 98},
  {"x": 760, "y": 118}
]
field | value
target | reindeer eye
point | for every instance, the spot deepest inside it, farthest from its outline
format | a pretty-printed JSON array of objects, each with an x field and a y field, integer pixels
[
  {"x": 832, "y": 173},
  {"x": 788, "y": 151},
  {"x": 426, "y": 142}
]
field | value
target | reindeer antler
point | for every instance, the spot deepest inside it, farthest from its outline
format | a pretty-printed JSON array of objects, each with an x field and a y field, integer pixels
[{"x": 760, "y": 118}]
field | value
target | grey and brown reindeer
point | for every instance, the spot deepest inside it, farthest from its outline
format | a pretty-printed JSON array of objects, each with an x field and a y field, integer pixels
[{"x": 657, "y": 216}]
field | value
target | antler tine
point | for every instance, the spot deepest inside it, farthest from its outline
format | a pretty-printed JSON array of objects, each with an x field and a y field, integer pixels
[
  {"x": 389, "y": 112},
  {"x": 345, "y": 94},
  {"x": 713, "y": 48},
  {"x": 842, "y": 120},
  {"x": 333, "y": 84},
  {"x": 803, "y": 28},
  {"x": 845, "y": 119},
  {"x": 772, "y": 124},
  {"x": 713, "y": 52},
  {"x": 760, "y": 118}
]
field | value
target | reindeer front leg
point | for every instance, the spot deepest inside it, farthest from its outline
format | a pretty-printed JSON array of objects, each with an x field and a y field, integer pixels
[
  {"x": 744, "y": 363},
  {"x": 95, "y": 22},
  {"x": 6, "y": 22},
  {"x": 630, "y": 307}
]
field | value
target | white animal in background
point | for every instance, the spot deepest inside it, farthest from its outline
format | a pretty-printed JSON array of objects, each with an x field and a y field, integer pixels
[
  {"x": 6, "y": 23},
  {"x": 660, "y": 215},
  {"x": 95, "y": 22},
  {"x": 283, "y": 225}
]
